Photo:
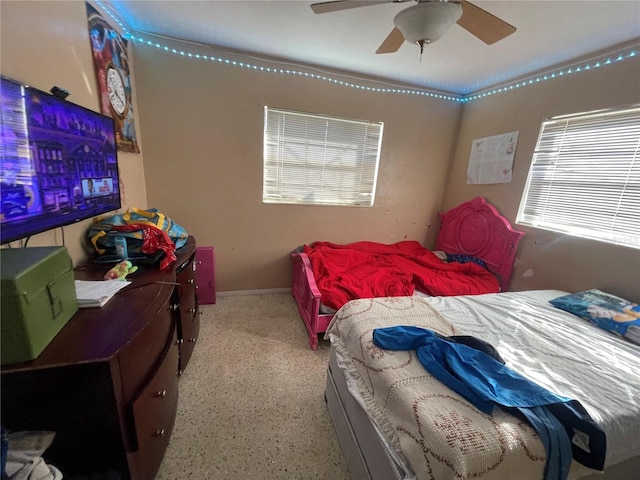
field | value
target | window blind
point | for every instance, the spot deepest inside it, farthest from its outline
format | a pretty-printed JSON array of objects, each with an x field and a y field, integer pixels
[
  {"x": 584, "y": 177},
  {"x": 319, "y": 160}
]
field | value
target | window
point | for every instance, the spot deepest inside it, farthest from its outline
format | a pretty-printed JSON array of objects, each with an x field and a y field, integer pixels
[
  {"x": 319, "y": 160},
  {"x": 584, "y": 177}
]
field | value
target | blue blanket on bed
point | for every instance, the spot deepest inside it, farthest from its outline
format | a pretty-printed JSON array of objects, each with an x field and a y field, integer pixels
[{"x": 564, "y": 426}]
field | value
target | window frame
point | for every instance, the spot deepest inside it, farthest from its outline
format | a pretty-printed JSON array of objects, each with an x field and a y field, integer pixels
[
  {"x": 317, "y": 159},
  {"x": 584, "y": 177}
]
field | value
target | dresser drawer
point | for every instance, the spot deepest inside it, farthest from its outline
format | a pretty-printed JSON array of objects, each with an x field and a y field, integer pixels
[
  {"x": 186, "y": 292},
  {"x": 139, "y": 358},
  {"x": 187, "y": 306},
  {"x": 187, "y": 313},
  {"x": 190, "y": 327},
  {"x": 190, "y": 331},
  {"x": 154, "y": 412}
]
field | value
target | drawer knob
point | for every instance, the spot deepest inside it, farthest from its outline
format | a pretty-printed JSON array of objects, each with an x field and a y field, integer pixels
[
  {"x": 192, "y": 339},
  {"x": 161, "y": 394},
  {"x": 175, "y": 307},
  {"x": 180, "y": 341},
  {"x": 191, "y": 280},
  {"x": 192, "y": 310},
  {"x": 159, "y": 433}
]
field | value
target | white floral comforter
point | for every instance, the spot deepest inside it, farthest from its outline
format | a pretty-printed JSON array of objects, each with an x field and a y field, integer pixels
[{"x": 433, "y": 429}]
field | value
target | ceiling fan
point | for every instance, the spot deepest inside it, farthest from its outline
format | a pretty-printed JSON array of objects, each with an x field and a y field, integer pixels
[{"x": 428, "y": 20}]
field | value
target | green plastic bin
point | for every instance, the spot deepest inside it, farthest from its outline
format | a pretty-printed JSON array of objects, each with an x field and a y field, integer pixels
[{"x": 38, "y": 297}]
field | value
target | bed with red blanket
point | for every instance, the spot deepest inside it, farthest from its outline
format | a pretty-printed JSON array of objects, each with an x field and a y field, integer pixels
[{"x": 329, "y": 275}]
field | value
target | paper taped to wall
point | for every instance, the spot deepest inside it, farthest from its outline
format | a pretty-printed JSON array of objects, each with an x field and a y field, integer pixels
[{"x": 491, "y": 159}]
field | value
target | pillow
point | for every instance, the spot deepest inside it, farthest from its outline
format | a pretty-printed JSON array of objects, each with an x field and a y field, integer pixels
[
  {"x": 464, "y": 259},
  {"x": 607, "y": 311},
  {"x": 299, "y": 249},
  {"x": 441, "y": 255}
]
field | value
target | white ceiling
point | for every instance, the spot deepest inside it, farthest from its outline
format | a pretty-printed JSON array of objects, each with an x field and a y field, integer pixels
[{"x": 548, "y": 33}]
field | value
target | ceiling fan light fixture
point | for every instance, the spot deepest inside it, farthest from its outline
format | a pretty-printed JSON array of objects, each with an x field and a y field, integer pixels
[{"x": 426, "y": 22}]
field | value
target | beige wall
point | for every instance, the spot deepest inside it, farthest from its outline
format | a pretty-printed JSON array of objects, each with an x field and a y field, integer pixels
[
  {"x": 560, "y": 261},
  {"x": 203, "y": 131},
  {"x": 200, "y": 129},
  {"x": 45, "y": 44}
]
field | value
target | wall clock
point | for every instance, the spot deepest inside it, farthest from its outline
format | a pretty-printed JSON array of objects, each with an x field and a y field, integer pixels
[{"x": 115, "y": 89}]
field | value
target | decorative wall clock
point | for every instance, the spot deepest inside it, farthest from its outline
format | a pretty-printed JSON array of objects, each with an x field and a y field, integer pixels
[{"x": 111, "y": 62}]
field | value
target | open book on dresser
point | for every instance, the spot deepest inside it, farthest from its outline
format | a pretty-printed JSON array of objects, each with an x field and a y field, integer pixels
[{"x": 97, "y": 293}]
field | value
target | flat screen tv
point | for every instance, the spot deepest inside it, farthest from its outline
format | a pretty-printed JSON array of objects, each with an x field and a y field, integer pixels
[{"x": 58, "y": 162}]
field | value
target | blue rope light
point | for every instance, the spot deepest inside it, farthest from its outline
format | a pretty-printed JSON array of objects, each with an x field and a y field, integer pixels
[
  {"x": 558, "y": 73},
  {"x": 456, "y": 98},
  {"x": 290, "y": 71},
  {"x": 115, "y": 19}
]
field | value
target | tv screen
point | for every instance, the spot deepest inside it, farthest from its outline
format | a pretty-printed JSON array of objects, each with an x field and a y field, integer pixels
[{"x": 58, "y": 162}]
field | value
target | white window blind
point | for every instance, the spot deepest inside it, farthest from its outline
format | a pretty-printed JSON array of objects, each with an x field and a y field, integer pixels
[
  {"x": 319, "y": 160},
  {"x": 584, "y": 177}
]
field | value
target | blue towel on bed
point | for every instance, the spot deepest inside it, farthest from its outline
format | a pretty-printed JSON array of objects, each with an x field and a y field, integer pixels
[{"x": 564, "y": 426}]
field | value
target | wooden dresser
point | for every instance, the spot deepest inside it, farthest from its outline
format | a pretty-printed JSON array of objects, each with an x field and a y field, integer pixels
[{"x": 107, "y": 384}]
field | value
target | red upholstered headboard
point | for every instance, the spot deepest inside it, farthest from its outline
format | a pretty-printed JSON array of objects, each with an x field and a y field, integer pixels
[{"x": 476, "y": 228}]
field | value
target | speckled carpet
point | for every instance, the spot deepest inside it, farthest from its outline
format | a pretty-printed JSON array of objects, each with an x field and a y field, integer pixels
[{"x": 251, "y": 402}]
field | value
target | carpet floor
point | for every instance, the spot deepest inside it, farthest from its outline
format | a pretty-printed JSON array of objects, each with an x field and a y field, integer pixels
[{"x": 251, "y": 401}]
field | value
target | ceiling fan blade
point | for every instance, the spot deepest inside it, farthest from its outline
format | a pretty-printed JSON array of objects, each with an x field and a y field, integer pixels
[
  {"x": 326, "y": 7},
  {"x": 392, "y": 43},
  {"x": 482, "y": 24}
]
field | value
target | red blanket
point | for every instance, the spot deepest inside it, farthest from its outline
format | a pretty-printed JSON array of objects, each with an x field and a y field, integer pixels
[{"x": 368, "y": 270}]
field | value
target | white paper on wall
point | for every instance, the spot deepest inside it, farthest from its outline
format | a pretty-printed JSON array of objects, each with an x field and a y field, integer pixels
[{"x": 491, "y": 159}]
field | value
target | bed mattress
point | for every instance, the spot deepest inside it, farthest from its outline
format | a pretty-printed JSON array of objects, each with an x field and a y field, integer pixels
[{"x": 569, "y": 358}]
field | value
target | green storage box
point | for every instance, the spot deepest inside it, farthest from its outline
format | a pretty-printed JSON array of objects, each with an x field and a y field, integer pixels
[{"x": 38, "y": 298}]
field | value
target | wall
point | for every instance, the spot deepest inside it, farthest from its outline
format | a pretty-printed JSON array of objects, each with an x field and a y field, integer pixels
[
  {"x": 203, "y": 132},
  {"x": 200, "y": 130},
  {"x": 45, "y": 44},
  {"x": 560, "y": 261}
]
